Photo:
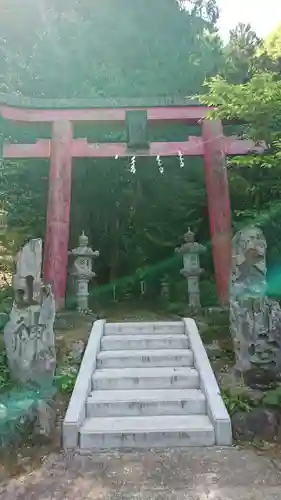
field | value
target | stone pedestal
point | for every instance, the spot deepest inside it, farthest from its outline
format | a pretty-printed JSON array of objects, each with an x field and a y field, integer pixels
[
  {"x": 193, "y": 288},
  {"x": 82, "y": 284},
  {"x": 191, "y": 267},
  {"x": 82, "y": 272}
]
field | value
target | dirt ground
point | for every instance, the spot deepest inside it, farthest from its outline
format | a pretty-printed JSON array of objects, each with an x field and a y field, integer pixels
[{"x": 193, "y": 474}]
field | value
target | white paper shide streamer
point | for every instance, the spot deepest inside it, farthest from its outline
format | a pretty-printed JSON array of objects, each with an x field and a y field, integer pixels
[
  {"x": 160, "y": 164},
  {"x": 133, "y": 165},
  {"x": 181, "y": 158}
]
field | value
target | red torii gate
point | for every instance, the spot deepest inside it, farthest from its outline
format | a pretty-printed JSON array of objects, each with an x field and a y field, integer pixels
[{"x": 62, "y": 147}]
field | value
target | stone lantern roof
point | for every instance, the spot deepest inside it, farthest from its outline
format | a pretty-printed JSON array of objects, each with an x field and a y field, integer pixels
[
  {"x": 83, "y": 249},
  {"x": 190, "y": 245},
  {"x": 83, "y": 240},
  {"x": 189, "y": 237}
]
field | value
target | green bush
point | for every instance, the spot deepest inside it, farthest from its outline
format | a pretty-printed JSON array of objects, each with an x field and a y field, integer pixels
[
  {"x": 5, "y": 377},
  {"x": 6, "y": 299},
  {"x": 177, "y": 308},
  {"x": 65, "y": 381},
  {"x": 208, "y": 293},
  {"x": 273, "y": 398},
  {"x": 236, "y": 402}
]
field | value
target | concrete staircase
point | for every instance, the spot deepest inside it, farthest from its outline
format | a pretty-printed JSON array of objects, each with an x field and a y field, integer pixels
[{"x": 146, "y": 389}]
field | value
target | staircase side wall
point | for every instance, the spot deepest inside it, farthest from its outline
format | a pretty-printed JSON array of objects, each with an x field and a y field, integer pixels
[
  {"x": 76, "y": 412},
  {"x": 216, "y": 408}
]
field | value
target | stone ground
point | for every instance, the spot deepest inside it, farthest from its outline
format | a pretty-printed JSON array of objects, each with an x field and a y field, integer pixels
[{"x": 193, "y": 474}]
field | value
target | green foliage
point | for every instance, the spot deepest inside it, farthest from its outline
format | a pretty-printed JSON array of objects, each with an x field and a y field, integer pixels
[
  {"x": 255, "y": 180},
  {"x": 66, "y": 374},
  {"x": 236, "y": 402},
  {"x": 215, "y": 332},
  {"x": 205, "y": 9},
  {"x": 134, "y": 220},
  {"x": 177, "y": 308},
  {"x": 208, "y": 293},
  {"x": 88, "y": 48},
  {"x": 240, "y": 54},
  {"x": 273, "y": 398},
  {"x": 272, "y": 45},
  {"x": 65, "y": 380},
  {"x": 255, "y": 103},
  {"x": 5, "y": 378},
  {"x": 24, "y": 195},
  {"x": 5, "y": 298}
]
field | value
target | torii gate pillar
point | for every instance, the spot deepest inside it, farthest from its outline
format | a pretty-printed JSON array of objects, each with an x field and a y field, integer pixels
[
  {"x": 218, "y": 204},
  {"x": 58, "y": 214}
]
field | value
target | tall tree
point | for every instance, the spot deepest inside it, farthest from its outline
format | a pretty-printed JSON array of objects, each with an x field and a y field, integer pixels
[
  {"x": 240, "y": 54},
  {"x": 125, "y": 48},
  {"x": 111, "y": 48},
  {"x": 205, "y": 9},
  {"x": 270, "y": 51},
  {"x": 272, "y": 43}
]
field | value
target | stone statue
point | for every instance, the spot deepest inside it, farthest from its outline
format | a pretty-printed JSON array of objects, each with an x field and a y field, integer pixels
[
  {"x": 255, "y": 320},
  {"x": 29, "y": 335}
]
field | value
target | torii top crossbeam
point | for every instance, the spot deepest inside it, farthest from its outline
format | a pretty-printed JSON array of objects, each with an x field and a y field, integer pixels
[{"x": 135, "y": 115}]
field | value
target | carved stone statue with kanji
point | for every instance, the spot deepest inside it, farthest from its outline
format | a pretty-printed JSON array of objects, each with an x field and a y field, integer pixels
[
  {"x": 29, "y": 335},
  {"x": 255, "y": 320}
]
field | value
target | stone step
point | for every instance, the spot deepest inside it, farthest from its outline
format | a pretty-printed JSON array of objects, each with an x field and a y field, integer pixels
[
  {"x": 146, "y": 402},
  {"x": 146, "y": 432},
  {"x": 133, "y": 342},
  {"x": 145, "y": 378},
  {"x": 160, "y": 328},
  {"x": 146, "y": 357}
]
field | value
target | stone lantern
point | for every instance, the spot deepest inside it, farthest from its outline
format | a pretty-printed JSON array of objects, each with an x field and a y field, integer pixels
[
  {"x": 165, "y": 289},
  {"x": 82, "y": 271},
  {"x": 191, "y": 267}
]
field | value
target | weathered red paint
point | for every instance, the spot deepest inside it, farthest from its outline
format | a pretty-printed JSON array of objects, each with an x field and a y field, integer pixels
[
  {"x": 41, "y": 149},
  {"x": 80, "y": 148},
  {"x": 58, "y": 214},
  {"x": 233, "y": 146},
  {"x": 191, "y": 114},
  {"x": 218, "y": 203}
]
